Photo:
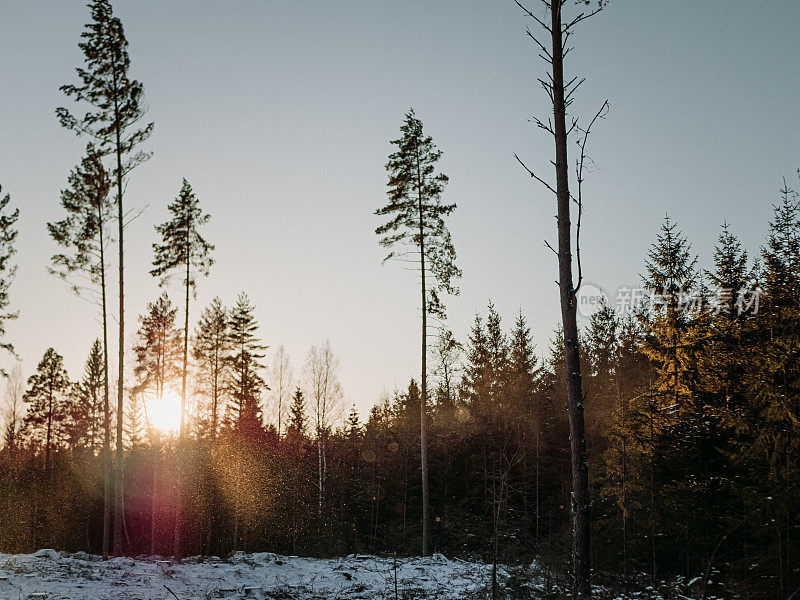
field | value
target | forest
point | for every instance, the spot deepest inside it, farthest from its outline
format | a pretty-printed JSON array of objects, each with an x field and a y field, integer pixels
[{"x": 688, "y": 388}]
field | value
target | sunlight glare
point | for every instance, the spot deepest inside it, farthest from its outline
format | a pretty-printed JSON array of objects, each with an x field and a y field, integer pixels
[{"x": 165, "y": 415}]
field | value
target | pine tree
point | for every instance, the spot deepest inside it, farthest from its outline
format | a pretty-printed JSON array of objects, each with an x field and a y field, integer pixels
[
  {"x": 46, "y": 393},
  {"x": 114, "y": 110},
  {"x": 246, "y": 368},
  {"x": 416, "y": 225},
  {"x": 498, "y": 359},
  {"x": 183, "y": 249},
  {"x": 158, "y": 350},
  {"x": 211, "y": 351},
  {"x": 8, "y": 235}
]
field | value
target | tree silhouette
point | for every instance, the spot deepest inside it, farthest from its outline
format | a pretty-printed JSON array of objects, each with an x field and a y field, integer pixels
[
  {"x": 114, "y": 110},
  {"x": 416, "y": 226},
  {"x": 46, "y": 394},
  {"x": 8, "y": 235}
]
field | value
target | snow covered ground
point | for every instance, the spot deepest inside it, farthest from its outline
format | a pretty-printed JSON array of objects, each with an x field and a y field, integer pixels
[
  {"x": 51, "y": 575},
  {"x": 59, "y": 575}
]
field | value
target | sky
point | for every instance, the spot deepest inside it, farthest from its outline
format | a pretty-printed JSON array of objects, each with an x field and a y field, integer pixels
[{"x": 280, "y": 113}]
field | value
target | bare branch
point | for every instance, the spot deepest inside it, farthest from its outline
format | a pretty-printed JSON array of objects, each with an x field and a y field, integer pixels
[
  {"x": 534, "y": 175},
  {"x": 533, "y": 16},
  {"x": 579, "y": 18},
  {"x": 579, "y": 172}
]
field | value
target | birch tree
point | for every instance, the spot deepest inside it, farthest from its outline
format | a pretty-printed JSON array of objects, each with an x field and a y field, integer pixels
[{"x": 321, "y": 373}]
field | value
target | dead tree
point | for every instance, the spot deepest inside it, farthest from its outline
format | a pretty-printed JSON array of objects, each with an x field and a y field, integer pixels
[{"x": 561, "y": 94}]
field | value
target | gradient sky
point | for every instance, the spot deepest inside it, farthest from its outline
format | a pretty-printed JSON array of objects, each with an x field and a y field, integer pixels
[{"x": 280, "y": 115}]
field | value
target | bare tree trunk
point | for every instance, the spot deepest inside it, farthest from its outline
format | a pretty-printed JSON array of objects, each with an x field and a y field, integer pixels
[
  {"x": 182, "y": 431},
  {"x": 580, "y": 475},
  {"x": 119, "y": 475},
  {"x": 108, "y": 472}
]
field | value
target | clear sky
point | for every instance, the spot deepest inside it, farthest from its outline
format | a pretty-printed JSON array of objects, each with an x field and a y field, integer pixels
[{"x": 279, "y": 113}]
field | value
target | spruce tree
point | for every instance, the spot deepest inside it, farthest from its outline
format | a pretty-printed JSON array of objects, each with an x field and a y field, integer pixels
[
  {"x": 731, "y": 274},
  {"x": 673, "y": 279},
  {"x": 8, "y": 235},
  {"x": 523, "y": 364},
  {"x": 297, "y": 415},
  {"x": 47, "y": 389},
  {"x": 211, "y": 350},
  {"x": 114, "y": 110},
  {"x": 90, "y": 391},
  {"x": 416, "y": 226},
  {"x": 246, "y": 368}
]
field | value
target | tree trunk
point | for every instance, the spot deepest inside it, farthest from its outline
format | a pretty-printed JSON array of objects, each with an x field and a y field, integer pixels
[
  {"x": 119, "y": 524},
  {"x": 580, "y": 476},
  {"x": 108, "y": 472},
  {"x": 423, "y": 401},
  {"x": 182, "y": 431}
]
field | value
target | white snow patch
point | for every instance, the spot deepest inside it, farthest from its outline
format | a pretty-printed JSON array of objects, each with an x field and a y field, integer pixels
[{"x": 56, "y": 576}]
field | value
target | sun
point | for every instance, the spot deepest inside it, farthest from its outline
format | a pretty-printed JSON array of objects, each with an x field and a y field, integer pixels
[{"x": 164, "y": 414}]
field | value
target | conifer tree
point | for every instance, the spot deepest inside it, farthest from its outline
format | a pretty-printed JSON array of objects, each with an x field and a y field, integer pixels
[
  {"x": 523, "y": 363},
  {"x": 114, "y": 109},
  {"x": 672, "y": 277},
  {"x": 183, "y": 249},
  {"x": 83, "y": 234},
  {"x": 47, "y": 389},
  {"x": 731, "y": 274},
  {"x": 477, "y": 381},
  {"x": 416, "y": 226},
  {"x": 246, "y": 368},
  {"x": 297, "y": 415},
  {"x": 90, "y": 392},
  {"x": 134, "y": 421},
  {"x": 353, "y": 425},
  {"x": 158, "y": 350},
  {"x": 211, "y": 351},
  {"x": 782, "y": 252},
  {"x": 8, "y": 235}
]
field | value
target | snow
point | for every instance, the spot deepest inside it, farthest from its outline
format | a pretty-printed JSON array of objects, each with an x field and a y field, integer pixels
[
  {"x": 52, "y": 575},
  {"x": 59, "y": 575}
]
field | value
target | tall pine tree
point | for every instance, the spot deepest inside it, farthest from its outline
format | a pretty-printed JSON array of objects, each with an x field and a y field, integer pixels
[
  {"x": 416, "y": 226},
  {"x": 114, "y": 109}
]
